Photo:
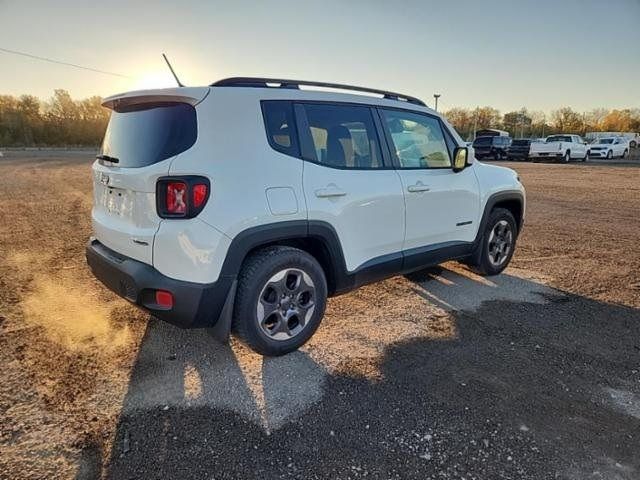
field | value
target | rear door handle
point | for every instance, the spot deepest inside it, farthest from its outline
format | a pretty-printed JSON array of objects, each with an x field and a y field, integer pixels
[
  {"x": 330, "y": 192},
  {"x": 418, "y": 187}
]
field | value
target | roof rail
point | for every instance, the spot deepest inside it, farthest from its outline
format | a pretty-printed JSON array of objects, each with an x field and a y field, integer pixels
[{"x": 283, "y": 83}]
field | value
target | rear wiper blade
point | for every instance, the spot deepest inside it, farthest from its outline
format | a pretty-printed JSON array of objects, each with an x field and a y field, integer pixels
[{"x": 107, "y": 158}]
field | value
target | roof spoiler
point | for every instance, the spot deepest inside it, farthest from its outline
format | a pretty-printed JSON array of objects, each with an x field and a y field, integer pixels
[{"x": 190, "y": 95}]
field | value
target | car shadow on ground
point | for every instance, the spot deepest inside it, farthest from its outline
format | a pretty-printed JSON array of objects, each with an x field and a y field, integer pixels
[{"x": 534, "y": 384}]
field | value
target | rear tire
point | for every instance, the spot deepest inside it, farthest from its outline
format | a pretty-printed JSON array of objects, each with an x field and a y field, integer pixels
[
  {"x": 609, "y": 155},
  {"x": 280, "y": 301},
  {"x": 498, "y": 243},
  {"x": 625, "y": 154},
  {"x": 567, "y": 157},
  {"x": 586, "y": 156}
]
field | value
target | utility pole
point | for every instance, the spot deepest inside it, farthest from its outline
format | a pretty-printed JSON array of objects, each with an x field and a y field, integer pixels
[
  {"x": 475, "y": 123},
  {"x": 436, "y": 96}
]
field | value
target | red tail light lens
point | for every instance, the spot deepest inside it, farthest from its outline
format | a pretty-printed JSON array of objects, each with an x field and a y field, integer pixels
[
  {"x": 199, "y": 193},
  {"x": 176, "y": 198},
  {"x": 182, "y": 197}
]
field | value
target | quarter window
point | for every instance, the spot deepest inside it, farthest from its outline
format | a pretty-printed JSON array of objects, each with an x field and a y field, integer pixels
[
  {"x": 418, "y": 140},
  {"x": 339, "y": 136},
  {"x": 279, "y": 122}
]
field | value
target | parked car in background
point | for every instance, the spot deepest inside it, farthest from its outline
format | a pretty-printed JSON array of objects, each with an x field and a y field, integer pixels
[
  {"x": 490, "y": 132},
  {"x": 609, "y": 148},
  {"x": 631, "y": 137},
  {"x": 519, "y": 149},
  {"x": 491, "y": 147},
  {"x": 560, "y": 147}
]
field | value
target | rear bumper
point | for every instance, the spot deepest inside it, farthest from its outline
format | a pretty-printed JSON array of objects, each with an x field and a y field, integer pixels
[
  {"x": 518, "y": 153},
  {"x": 194, "y": 305},
  {"x": 557, "y": 154}
]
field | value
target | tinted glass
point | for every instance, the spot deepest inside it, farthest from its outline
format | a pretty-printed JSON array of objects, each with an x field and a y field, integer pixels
[
  {"x": 451, "y": 143},
  {"x": 559, "y": 138},
  {"x": 280, "y": 125},
  {"x": 341, "y": 136},
  {"x": 482, "y": 141},
  {"x": 141, "y": 135},
  {"x": 418, "y": 140}
]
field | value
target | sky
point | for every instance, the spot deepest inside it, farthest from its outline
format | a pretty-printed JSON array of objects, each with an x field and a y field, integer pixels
[{"x": 542, "y": 54}]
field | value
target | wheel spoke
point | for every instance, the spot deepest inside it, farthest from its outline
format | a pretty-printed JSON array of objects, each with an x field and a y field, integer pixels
[
  {"x": 266, "y": 309},
  {"x": 282, "y": 327}
]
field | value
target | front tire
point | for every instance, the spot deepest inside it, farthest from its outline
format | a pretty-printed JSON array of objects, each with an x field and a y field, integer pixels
[
  {"x": 625, "y": 154},
  {"x": 280, "y": 301},
  {"x": 609, "y": 155},
  {"x": 567, "y": 157},
  {"x": 586, "y": 156},
  {"x": 498, "y": 243}
]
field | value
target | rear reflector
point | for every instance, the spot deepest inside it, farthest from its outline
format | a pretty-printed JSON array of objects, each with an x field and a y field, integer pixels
[{"x": 164, "y": 298}]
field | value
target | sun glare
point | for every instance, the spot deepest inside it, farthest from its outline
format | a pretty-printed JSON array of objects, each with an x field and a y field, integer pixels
[{"x": 157, "y": 79}]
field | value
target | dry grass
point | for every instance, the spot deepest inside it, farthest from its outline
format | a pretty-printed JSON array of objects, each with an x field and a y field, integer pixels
[{"x": 67, "y": 345}]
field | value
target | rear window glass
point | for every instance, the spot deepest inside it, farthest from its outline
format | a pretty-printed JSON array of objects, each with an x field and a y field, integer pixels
[
  {"x": 145, "y": 134},
  {"x": 483, "y": 141},
  {"x": 558, "y": 138},
  {"x": 341, "y": 136},
  {"x": 280, "y": 125}
]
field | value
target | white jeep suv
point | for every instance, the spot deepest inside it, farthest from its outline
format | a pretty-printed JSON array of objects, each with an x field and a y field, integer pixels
[{"x": 245, "y": 204}]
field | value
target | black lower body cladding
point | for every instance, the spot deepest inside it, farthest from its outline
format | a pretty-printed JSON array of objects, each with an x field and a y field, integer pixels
[{"x": 194, "y": 305}]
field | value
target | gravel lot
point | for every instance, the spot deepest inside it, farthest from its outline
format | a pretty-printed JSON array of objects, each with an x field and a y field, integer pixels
[{"x": 533, "y": 374}]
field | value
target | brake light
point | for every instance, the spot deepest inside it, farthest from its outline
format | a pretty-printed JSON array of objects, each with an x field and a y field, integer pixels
[
  {"x": 200, "y": 191},
  {"x": 181, "y": 197},
  {"x": 176, "y": 198}
]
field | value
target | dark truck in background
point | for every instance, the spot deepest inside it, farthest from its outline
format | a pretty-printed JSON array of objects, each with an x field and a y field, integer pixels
[
  {"x": 495, "y": 146},
  {"x": 519, "y": 149}
]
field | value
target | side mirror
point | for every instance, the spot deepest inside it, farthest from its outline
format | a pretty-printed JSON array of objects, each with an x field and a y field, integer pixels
[{"x": 460, "y": 157}]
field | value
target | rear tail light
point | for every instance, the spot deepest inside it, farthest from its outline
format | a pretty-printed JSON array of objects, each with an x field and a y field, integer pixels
[
  {"x": 199, "y": 193},
  {"x": 181, "y": 197},
  {"x": 176, "y": 199}
]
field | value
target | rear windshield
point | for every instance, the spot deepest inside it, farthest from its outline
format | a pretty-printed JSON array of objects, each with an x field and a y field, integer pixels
[
  {"x": 145, "y": 134},
  {"x": 559, "y": 138},
  {"x": 483, "y": 141}
]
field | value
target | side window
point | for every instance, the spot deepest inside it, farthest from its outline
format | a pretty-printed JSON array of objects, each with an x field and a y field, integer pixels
[
  {"x": 451, "y": 143},
  {"x": 418, "y": 140},
  {"x": 280, "y": 126},
  {"x": 339, "y": 136}
]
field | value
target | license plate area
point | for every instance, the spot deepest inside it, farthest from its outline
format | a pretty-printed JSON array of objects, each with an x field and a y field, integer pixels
[{"x": 117, "y": 201}]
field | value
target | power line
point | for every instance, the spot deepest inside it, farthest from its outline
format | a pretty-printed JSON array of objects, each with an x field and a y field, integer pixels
[{"x": 51, "y": 60}]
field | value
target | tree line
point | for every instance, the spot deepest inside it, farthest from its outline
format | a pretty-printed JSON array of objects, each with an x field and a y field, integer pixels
[
  {"x": 27, "y": 121},
  {"x": 527, "y": 124}
]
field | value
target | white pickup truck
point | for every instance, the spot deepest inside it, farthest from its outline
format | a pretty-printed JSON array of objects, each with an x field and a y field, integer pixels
[{"x": 560, "y": 147}]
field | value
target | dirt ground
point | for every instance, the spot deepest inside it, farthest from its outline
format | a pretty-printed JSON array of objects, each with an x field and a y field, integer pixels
[{"x": 531, "y": 374}]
